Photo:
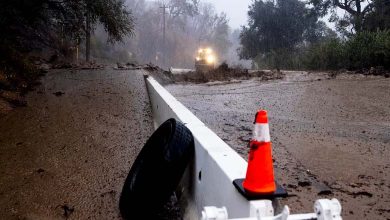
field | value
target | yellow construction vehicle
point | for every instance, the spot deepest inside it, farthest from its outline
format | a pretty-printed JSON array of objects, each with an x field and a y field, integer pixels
[{"x": 205, "y": 60}]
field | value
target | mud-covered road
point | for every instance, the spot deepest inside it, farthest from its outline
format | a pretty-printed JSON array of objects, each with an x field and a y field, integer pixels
[
  {"x": 67, "y": 153},
  {"x": 331, "y": 136}
]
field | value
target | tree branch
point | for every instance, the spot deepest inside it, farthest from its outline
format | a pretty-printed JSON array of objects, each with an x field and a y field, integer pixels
[
  {"x": 345, "y": 6},
  {"x": 368, "y": 8}
]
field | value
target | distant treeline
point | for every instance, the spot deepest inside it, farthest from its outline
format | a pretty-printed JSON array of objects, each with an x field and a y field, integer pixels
[{"x": 289, "y": 34}]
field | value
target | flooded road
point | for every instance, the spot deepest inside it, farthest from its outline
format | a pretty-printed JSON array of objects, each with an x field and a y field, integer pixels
[
  {"x": 67, "y": 153},
  {"x": 331, "y": 136}
]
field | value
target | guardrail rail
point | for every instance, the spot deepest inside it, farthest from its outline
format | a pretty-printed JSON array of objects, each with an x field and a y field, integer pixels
[{"x": 208, "y": 181}]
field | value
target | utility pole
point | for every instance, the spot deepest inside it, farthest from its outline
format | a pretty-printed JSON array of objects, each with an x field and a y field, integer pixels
[
  {"x": 88, "y": 37},
  {"x": 164, "y": 7}
]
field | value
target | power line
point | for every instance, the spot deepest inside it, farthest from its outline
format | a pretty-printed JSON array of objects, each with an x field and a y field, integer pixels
[{"x": 164, "y": 7}]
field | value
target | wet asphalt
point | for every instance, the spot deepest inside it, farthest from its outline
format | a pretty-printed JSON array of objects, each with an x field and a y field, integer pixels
[
  {"x": 331, "y": 136},
  {"x": 66, "y": 155}
]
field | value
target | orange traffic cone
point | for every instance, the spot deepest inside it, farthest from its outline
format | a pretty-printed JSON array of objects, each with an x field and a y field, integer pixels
[{"x": 260, "y": 173}]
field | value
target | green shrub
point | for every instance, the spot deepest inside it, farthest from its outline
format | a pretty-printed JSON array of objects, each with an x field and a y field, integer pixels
[
  {"x": 368, "y": 49},
  {"x": 328, "y": 55},
  {"x": 282, "y": 59},
  {"x": 362, "y": 51}
]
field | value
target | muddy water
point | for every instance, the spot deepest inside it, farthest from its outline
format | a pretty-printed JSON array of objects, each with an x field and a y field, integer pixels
[
  {"x": 331, "y": 136},
  {"x": 67, "y": 153}
]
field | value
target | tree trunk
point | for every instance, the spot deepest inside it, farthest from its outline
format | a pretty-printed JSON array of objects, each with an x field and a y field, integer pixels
[
  {"x": 358, "y": 17},
  {"x": 87, "y": 38}
]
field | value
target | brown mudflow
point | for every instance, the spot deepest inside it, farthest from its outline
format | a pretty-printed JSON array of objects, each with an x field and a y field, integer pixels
[
  {"x": 67, "y": 153},
  {"x": 331, "y": 135}
]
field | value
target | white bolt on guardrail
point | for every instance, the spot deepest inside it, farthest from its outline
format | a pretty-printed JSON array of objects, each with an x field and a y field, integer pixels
[
  {"x": 214, "y": 213},
  {"x": 328, "y": 209},
  {"x": 324, "y": 209}
]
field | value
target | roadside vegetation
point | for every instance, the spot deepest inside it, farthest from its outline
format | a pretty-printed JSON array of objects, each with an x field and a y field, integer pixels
[
  {"x": 36, "y": 32},
  {"x": 289, "y": 34},
  {"x": 361, "y": 51}
]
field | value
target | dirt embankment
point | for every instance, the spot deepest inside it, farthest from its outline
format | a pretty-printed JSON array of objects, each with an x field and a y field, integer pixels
[
  {"x": 14, "y": 86},
  {"x": 24, "y": 77},
  {"x": 222, "y": 73},
  {"x": 225, "y": 73}
]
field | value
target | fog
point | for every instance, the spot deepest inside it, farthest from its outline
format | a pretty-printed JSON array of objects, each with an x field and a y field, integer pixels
[
  {"x": 189, "y": 25},
  {"x": 236, "y": 11},
  {"x": 279, "y": 34}
]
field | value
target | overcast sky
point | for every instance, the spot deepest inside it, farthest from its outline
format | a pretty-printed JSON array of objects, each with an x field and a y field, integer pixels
[{"x": 236, "y": 10}]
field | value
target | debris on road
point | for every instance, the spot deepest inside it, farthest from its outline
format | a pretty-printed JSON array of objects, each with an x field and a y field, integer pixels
[
  {"x": 67, "y": 210},
  {"x": 135, "y": 66},
  {"x": 82, "y": 66},
  {"x": 58, "y": 93},
  {"x": 304, "y": 183},
  {"x": 221, "y": 73},
  {"x": 224, "y": 73},
  {"x": 40, "y": 170},
  {"x": 14, "y": 98}
]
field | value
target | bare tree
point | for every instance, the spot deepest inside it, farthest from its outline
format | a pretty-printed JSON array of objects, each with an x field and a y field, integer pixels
[{"x": 356, "y": 11}]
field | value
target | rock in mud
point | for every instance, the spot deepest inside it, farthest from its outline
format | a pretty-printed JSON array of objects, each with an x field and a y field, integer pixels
[
  {"x": 5, "y": 106},
  {"x": 245, "y": 139},
  {"x": 292, "y": 186},
  {"x": 44, "y": 67},
  {"x": 325, "y": 192},
  {"x": 40, "y": 170},
  {"x": 67, "y": 210},
  {"x": 15, "y": 98},
  {"x": 3, "y": 80},
  {"x": 58, "y": 93},
  {"x": 362, "y": 193},
  {"x": 63, "y": 66},
  {"x": 304, "y": 183}
]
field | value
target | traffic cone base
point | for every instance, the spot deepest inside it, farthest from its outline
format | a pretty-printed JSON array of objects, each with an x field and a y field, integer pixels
[{"x": 280, "y": 192}]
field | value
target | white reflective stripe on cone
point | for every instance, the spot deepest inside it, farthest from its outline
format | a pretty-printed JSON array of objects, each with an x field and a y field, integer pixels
[{"x": 261, "y": 133}]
